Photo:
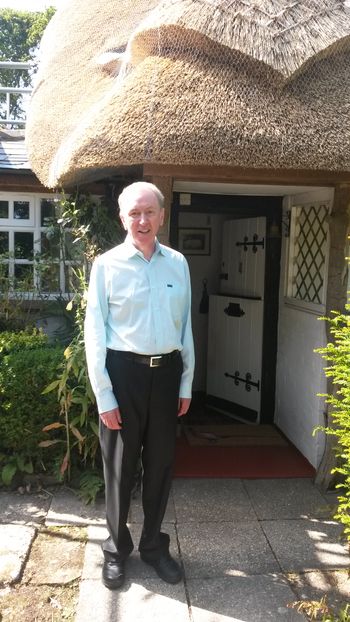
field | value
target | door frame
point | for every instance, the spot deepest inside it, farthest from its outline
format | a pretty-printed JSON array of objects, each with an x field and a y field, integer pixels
[{"x": 243, "y": 206}]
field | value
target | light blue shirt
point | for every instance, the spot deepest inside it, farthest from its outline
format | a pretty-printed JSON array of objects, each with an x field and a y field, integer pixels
[{"x": 137, "y": 306}]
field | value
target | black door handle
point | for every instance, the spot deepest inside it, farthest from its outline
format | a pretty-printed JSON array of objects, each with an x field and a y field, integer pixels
[{"x": 234, "y": 310}]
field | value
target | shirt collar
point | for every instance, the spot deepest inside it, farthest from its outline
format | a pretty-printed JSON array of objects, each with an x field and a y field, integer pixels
[{"x": 130, "y": 250}]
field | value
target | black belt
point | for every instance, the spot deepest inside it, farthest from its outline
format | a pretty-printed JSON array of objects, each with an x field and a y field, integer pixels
[{"x": 154, "y": 360}]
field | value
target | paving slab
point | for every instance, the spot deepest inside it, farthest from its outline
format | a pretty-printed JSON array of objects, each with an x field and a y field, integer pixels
[
  {"x": 146, "y": 600},
  {"x": 67, "y": 509},
  {"x": 26, "y": 509},
  {"x": 135, "y": 568},
  {"x": 262, "y": 598},
  {"x": 219, "y": 549},
  {"x": 56, "y": 557},
  {"x": 331, "y": 497},
  {"x": 15, "y": 543},
  {"x": 207, "y": 500},
  {"x": 136, "y": 511},
  {"x": 287, "y": 498},
  {"x": 314, "y": 585},
  {"x": 307, "y": 544}
]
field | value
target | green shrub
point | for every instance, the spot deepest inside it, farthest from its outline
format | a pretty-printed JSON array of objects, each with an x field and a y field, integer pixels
[
  {"x": 24, "y": 411},
  {"x": 337, "y": 355},
  {"x": 22, "y": 340}
]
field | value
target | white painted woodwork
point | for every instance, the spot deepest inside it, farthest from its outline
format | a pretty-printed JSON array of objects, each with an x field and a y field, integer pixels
[
  {"x": 235, "y": 344},
  {"x": 245, "y": 269}
]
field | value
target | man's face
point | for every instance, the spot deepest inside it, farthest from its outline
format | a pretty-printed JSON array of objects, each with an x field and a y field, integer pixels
[{"x": 142, "y": 216}]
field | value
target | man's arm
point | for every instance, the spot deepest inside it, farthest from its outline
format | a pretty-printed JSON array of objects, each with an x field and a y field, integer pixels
[
  {"x": 95, "y": 339},
  {"x": 187, "y": 352}
]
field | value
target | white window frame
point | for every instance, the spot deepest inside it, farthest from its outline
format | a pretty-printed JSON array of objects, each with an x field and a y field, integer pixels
[
  {"x": 33, "y": 224},
  {"x": 11, "y": 198},
  {"x": 308, "y": 306}
]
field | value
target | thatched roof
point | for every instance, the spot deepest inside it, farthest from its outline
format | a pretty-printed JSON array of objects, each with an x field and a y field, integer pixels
[
  {"x": 260, "y": 84},
  {"x": 284, "y": 34}
]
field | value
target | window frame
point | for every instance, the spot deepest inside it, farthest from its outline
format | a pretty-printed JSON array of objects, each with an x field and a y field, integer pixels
[
  {"x": 12, "y": 197},
  {"x": 33, "y": 224},
  {"x": 297, "y": 303}
]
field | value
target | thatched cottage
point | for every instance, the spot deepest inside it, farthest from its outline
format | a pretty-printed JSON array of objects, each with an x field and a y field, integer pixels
[{"x": 239, "y": 110}]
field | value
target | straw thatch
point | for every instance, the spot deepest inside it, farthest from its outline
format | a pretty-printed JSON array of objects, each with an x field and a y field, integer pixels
[
  {"x": 255, "y": 84},
  {"x": 283, "y": 34}
]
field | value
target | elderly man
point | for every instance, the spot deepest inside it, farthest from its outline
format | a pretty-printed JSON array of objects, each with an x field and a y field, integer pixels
[{"x": 140, "y": 356}]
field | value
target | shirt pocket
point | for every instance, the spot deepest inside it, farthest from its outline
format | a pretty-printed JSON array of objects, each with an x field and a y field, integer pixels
[{"x": 173, "y": 299}]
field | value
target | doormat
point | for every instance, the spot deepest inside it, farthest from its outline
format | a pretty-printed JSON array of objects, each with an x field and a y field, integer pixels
[
  {"x": 253, "y": 462},
  {"x": 234, "y": 435}
]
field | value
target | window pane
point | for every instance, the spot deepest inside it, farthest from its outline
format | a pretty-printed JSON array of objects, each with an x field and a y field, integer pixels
[
  {"x": 50, "y": 278},
  {"x": 50, "y": 244},
  {"x": 21, "y": 210},
  {"x": 24, "y": 245},
  {"x": 4, "y": 209},
  {"x": 24, "y": 277},
  {"x": 4, "y": 242},
  {"x": 47, "y": 211}
]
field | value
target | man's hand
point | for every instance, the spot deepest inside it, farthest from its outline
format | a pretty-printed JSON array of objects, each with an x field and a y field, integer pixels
[
  {"x": 112, "y": 419},
  {"x": 184, "y": 404}
]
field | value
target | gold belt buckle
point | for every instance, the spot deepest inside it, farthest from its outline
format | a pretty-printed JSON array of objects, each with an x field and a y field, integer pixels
[{"x": 153, "y": 361}]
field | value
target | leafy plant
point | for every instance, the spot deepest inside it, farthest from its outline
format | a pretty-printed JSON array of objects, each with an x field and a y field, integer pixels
[
  {"x": 337, "y": 355},
  {"x": 29, "y": 339},
  {"x": 74, "y": 389},
  {"x": 94, "y": 227},
  {"x": 27, "y": 364},
  {"x": 90, "y": 485},
  {"x": 17, "y": 463}
]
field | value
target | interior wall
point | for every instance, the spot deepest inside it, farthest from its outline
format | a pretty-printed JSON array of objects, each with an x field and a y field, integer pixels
[
  {"x": 203, "y": 267},
  {"x": 300, "y": 377}
]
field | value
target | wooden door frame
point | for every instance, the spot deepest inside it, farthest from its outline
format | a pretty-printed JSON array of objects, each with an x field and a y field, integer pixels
[{"x": 242, "y": 206}]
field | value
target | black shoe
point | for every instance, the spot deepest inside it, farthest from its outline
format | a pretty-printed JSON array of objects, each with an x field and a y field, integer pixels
[
  {"x": 113, "y": 574},
  {"x": 166, "y": 568}
]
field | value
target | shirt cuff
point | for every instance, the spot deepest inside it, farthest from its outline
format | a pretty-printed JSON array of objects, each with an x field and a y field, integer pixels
[
  {"x": 106, "y": 401},
  {"x": 185, "y": 389}
]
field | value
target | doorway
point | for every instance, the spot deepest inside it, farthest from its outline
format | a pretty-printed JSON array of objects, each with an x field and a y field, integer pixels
[{"x": 222, "y": 232}]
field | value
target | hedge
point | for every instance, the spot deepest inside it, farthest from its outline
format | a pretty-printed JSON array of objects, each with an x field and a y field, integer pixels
[{"x": 25, "y": 370}]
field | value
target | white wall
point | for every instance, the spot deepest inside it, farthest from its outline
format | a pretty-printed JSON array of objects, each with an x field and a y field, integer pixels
[
  {"x": 300, "y": 375},
  {"x": 203, "y": 266}
]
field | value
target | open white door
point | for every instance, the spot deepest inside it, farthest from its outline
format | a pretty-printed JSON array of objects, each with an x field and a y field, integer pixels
[{"x": 236, "y": 322}]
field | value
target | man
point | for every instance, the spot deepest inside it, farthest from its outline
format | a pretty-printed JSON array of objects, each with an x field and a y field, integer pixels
[{"x": 140, "y": 356}]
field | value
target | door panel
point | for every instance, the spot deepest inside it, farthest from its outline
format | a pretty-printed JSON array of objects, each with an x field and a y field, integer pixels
[
  {"x": 234, "y": 350},
  {"x": 236, "y": 320},
  {"x": 243, "y": 262}
]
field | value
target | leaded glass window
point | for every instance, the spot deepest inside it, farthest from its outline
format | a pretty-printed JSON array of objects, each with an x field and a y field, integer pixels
[{"x": 308, "y": 253}]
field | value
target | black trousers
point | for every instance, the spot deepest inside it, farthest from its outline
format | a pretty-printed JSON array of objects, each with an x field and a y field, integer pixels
[{"x": 148, "y": 402}]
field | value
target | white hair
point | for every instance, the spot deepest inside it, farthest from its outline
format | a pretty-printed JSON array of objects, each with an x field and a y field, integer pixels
[{"x": 124, "y": 197}]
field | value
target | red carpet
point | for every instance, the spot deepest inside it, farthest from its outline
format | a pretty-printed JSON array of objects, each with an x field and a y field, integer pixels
[{"x": 240, "y": 462}]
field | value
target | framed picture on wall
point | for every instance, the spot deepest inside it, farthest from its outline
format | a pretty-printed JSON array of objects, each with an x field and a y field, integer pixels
[{"x": 194, "y": 241}]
